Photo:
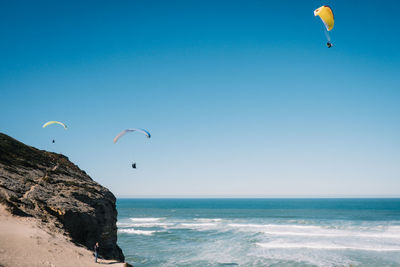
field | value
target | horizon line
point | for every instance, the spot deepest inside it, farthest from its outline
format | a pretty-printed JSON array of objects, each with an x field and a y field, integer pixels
[{"x": 257, "y": 196}]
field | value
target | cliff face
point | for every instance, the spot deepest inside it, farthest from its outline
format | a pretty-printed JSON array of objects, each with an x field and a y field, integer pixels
[{"x": 48, "y": 186}]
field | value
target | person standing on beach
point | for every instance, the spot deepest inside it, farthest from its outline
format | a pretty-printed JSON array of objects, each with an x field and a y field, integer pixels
[{"x": 96, "y": 251}]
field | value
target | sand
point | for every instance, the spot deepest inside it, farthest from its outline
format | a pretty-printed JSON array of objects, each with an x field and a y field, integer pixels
[{"x": 25, "y": 242}]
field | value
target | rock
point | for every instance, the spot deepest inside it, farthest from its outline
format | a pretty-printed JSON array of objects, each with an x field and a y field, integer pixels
[{"x": 48, "y": 186}]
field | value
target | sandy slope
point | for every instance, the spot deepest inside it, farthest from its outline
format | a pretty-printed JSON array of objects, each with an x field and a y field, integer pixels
[{"x": 24, "y": 242}]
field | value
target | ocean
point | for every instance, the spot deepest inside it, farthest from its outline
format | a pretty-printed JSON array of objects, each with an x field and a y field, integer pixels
[{"x": 259, "y": 232}]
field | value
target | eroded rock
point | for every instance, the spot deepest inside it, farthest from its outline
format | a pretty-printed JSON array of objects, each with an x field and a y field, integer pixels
[{"x": 48, "y": 186}]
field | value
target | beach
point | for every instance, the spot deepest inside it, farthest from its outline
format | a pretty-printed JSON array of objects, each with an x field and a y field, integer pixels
[{"x": 24, "y": 241}]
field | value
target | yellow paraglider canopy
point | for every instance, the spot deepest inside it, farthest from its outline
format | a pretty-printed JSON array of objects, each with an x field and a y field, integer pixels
[
  {"x": 326, "y": 15},
  {"x": 54, "y": 122}
]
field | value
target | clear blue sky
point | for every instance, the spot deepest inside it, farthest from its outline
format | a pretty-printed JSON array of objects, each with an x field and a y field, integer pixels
[{"x": 241, "y": 97}]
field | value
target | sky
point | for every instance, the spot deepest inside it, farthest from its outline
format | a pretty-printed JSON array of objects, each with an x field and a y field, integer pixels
[{"x": 242, "y": 98}]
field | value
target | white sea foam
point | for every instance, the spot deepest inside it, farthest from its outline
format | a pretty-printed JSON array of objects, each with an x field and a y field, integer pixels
[
  {"x": 377, "y": 232},
  {"x": 136, "y": 232},
  {"x": 205, "y": 224},
  {"x": 143, "y": 222},
  {"x": 145, "y": 225},
  {"x": 334, "y": 234},
  {"x": 318, "y": 231},
  {"x": 205, "y": 220},
  {"x": 190, "y": 225},
  {"x": 250, "y": 225},
  {"x": 317, "y": 246},
  {"x": 150, "y": 219},
  {"x": 195, "y": 226}
]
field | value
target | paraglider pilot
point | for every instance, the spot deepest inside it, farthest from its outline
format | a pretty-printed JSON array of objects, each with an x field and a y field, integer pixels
[
  {"x": 134, "y": 165},
  {"x": 326, "y": 15},
  {"x": 54, "y": 141}
]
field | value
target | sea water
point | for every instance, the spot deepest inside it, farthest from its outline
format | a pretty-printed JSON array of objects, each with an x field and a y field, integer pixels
[{"x": 259, "y": 232}]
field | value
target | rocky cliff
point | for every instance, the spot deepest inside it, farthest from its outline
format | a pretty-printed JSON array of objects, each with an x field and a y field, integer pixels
[{"x": 48, "y": 186}]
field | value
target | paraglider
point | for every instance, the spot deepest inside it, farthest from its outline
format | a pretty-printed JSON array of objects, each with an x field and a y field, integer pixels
[
  {"x": 326, "y": 15},
  {"x": 54, "y": 122},
  {"x": 131, "y": 130},
  {"x": 146, "y": 133}
]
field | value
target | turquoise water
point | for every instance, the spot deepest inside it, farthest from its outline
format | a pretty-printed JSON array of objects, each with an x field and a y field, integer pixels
[{"x": 260, "y": 232}]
